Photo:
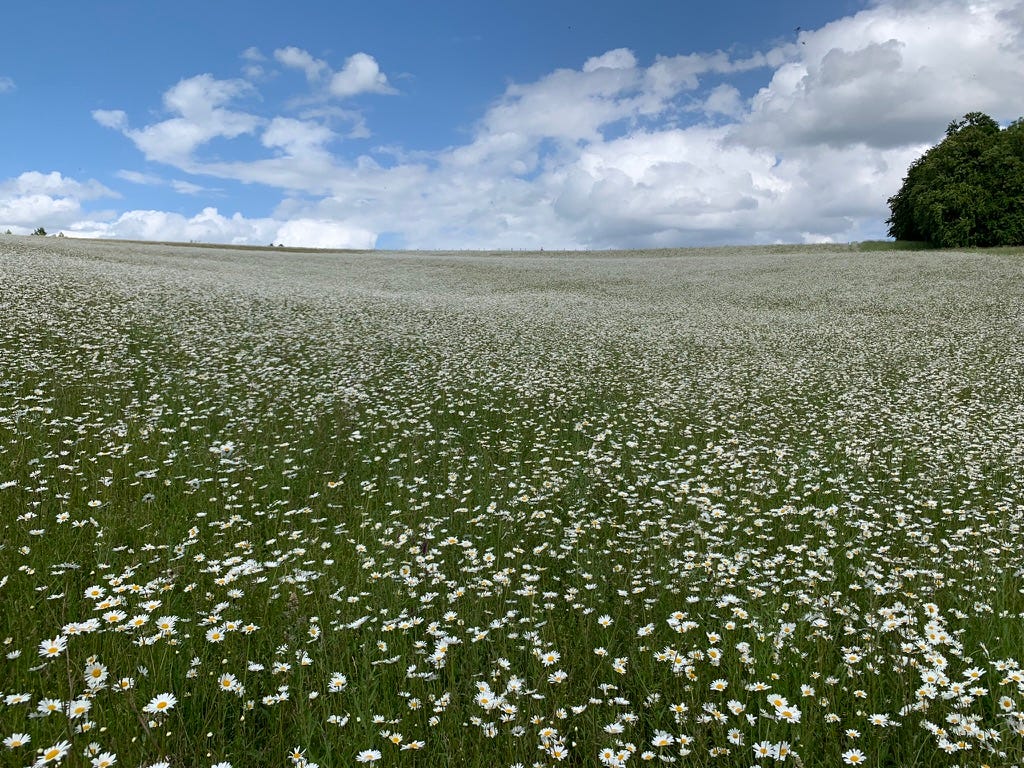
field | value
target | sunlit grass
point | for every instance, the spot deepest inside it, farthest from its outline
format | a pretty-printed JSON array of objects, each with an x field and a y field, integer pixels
[{"x": 489, "y": 510}]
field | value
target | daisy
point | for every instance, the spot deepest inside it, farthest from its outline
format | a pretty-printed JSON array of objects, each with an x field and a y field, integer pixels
[
  {"x": 78, "y": 708},
  {"x": 47, "y": 707},
  {"x": 54, "y": 647},
  {"x": 104, "y": 760},
  {"x": 853, "y": 757},
  {"x": 95, "y": 673},
  {"x": 16, "y": 740},
  {"x": 54, "y": 754},
  {"x": 337, "y": 683},
  {"x": 227, "y": 682},
  {"x": 162, "y": 703},
  {"x": 368, "y": 756}
]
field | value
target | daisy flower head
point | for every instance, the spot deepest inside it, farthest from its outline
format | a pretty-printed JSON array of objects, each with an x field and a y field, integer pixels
[
  {"x": 16, "y": 740},
  {"x": 368, "y": 756},
  {"x": 227, "y": 682},
  {"x": 337, "y": 683},
  {"x": 550, "y": 658},
  {"x": 104, "y": 760},
  {"x": 854, "y": 757},
  {"x": 53, "y": 754},
  {"x": 164, "y": 702},
  {"x": 54, "y": 647}
]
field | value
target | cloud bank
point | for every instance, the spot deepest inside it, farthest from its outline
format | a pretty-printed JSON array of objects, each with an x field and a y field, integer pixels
[{"x": 617, "y": 152}]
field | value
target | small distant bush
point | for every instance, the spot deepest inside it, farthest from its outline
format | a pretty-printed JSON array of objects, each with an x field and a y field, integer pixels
[{"x": 40, "y": 232}]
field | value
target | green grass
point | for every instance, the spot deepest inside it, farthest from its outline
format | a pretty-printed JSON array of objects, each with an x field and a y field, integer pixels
[
  {"x": 893, "y": 245},
  {"x": 793, "y": 467}
]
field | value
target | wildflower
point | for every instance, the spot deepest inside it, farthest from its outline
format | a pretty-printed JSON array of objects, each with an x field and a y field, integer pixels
[
  {"x": 104, "y": 760},
  {"x": 763, "y": 749},
  {"x": 605, "y": 620},
  {"x": 16, "y": 740},
  {"x": 788, "y": 714},
  {"x": 215, "y": 635},
  {"x": 54, "y": 754},
  {"x": 95, "y": 673},
  {"x": 337, "y": 683},
  {"x": 47, "y": 707},
  {"x": 54, "y": 647},
  {"x": 853, "y": 757},
  {"x": 159, "y": 704},
  {"x": 78, "y": 708},
  {"x": 719, "y": 685},
  {"x": 227, "y": 682},
  {"x": 550, "y": 658},
  {"x": 662, "y": 739},
  {"x": 368, "y": 756}
]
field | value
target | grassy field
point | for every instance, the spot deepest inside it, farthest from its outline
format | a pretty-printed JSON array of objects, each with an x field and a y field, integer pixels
[{"x": 724, "y": 507}]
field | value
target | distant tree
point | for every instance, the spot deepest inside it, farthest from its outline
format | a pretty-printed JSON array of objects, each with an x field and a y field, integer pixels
[
  {"x": 967, "y": 190},
  {"x": 7, "y": 232},
  {"x": 40, "y": 232}
]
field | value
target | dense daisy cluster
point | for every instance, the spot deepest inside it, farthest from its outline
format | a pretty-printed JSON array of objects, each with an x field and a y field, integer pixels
[{"x": 699, "y": 508}]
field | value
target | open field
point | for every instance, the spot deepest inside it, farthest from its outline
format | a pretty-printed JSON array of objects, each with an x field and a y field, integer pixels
[{"x": 717, "y": 508}]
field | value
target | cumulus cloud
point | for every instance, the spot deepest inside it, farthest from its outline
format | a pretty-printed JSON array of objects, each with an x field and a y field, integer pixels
[
  {"x": 199, "y": 103},
  {"x": 893, "y": 75},
  {"x": 296, "y": 137},
  {"x": 50, "y": 200},
  {"x": 313, "y": 233},
  {"x": 361, "y": 74},
  {"x": 296, "y": 58}
]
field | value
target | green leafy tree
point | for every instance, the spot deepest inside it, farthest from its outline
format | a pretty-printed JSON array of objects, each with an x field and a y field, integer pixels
[
  {"x": 40, "y": 231},
  {"x": 966, "y": 191}
]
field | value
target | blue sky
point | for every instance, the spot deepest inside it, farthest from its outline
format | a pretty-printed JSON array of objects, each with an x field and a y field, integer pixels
[{"x": 486, "y": 125}]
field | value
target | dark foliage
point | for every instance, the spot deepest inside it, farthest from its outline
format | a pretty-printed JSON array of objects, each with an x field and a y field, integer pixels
[{"x": 967, "y": 190}]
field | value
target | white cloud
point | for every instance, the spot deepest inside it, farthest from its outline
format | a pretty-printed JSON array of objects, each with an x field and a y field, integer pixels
[
  {"x": 137, "y": 177},
  {"x": 893, "y": 75},
  {"x": 296, "y": 58},
  {"x": 724, "y": 99},
  {"x": 312, "y": 233},
  {"x": 187, "y": 187},
  {"x": 111, "y": 118},
  {"x": 297, "y": 137},
  {"x": 620, "y": 152},
  {"x": 199, "y": 103},
  {"x": 152, "y": 180},
  {"x": 49, "y": 200},
  {"x": 620, "y": 58},
  {"x": 361, "y": 74},
  {"x": 6, "y": 85}
]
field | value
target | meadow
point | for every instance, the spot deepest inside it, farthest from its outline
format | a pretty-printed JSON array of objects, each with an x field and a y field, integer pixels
[{"x": 725, "y": 507}]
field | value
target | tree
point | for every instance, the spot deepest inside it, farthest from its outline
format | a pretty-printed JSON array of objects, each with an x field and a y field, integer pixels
[
  {"x": 967, "y": 190},
  {"x": 40, "y": 231}
]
